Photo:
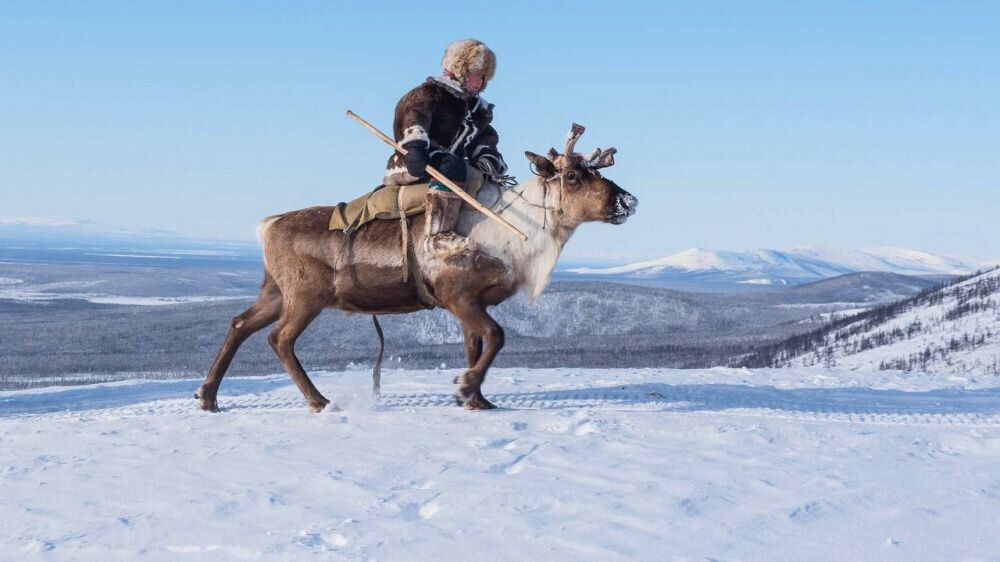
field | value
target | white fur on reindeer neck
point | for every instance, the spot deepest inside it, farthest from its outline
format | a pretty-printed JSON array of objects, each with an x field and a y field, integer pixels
[{"x": 530, "y": 207}]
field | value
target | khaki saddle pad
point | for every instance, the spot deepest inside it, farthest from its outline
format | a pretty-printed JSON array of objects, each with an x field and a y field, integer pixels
[{"x": 383, "y": 203}]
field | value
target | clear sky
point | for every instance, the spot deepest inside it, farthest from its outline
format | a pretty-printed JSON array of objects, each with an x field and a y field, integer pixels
[{"x": 739, "y": 124}]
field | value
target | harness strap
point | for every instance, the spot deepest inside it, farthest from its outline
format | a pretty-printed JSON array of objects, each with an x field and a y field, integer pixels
[
  {"x": 404, "y": 227},
  {"x": 424, "y": 296},
  {"x": 545, "y": 195}
]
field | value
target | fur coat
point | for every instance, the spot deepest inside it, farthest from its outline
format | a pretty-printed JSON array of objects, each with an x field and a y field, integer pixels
[{"x": 445, "y": 117}]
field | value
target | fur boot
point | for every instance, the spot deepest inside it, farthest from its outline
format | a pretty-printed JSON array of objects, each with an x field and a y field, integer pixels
[{"x": 443, "y": 208}]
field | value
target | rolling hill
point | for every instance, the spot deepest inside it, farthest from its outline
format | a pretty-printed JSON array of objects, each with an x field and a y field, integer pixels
[{"x": 953, "y": 329}]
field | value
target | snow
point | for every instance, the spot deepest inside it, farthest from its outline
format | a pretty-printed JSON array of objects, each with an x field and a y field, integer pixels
[
  {"x": 204, "y": 253},
  {"x": 936, "y": 331},
  {"x": 917, "y": 261},
  {"x": 153, "y": 301},
  {"x": 67, "y": 290},
  {"x": 693, "y": 259},
  {"x": 838, "y": 304},
  {"x": 756, "y": 282},
  {"x": 622, "y": 464},
  {"x": 800, "y": 263},
  {"x": 835, "y": 315},
  {"x": 146, "y": 256}
]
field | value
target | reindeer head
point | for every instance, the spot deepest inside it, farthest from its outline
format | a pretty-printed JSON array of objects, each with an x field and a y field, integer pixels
[{"x": 585, "y": 194}]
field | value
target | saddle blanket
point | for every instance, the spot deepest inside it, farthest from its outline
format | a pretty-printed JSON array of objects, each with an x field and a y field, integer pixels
[{"x": 383, "y": 203}]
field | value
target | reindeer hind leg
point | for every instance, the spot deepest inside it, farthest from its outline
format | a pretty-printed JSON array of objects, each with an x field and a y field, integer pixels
[
  {"x": 261, "y": 314},
  {"x": 296, "y": 316}
]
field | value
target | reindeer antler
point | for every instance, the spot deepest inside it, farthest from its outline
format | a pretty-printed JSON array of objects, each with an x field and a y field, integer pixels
[
  {"x": 596, "y": 160},
  {"x": 601, "y": 158},
  {"x": 575, "y": 132}
]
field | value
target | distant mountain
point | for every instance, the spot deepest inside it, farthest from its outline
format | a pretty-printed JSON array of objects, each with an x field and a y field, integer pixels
[
  {"x": 43, "y": 239},
  {"x": 30, "y": 229},
  {"x": 954, "y": 329},
  {"x": 774, "y": 268},
  {"x": 872, "y": 287}
]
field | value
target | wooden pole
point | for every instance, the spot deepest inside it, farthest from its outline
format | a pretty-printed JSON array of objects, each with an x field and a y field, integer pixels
[{"x": 440, "y": 177}]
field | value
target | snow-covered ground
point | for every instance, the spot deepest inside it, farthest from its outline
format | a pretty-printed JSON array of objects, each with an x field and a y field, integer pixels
[
  {"x": 723, "y": 464},
  {"x": 16, "y": 290}
]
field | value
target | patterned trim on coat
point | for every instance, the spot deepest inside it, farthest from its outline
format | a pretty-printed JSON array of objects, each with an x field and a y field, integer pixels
[{"x": 415, "y": 133}]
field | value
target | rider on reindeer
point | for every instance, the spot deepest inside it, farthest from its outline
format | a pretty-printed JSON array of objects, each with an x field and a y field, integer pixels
[{"x": 445, "y": 123}]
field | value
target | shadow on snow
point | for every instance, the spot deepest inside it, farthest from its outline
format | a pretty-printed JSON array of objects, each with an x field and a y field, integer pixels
[
  {"x": 718, "y": 397},
  {"x": 113, "y": 395}
]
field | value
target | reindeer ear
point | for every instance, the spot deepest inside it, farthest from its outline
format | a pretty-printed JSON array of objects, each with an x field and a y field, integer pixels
[{"x": 542, "y": 164}]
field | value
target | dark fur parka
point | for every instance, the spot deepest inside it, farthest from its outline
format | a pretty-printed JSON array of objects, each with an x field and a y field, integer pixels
[{"x": 445, "y": 117}]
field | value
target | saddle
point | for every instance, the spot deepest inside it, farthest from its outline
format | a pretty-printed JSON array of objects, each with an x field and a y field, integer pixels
[{"x": 391, "y": 202}]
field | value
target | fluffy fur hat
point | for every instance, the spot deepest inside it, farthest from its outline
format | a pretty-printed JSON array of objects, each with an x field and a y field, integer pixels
[{"x": 469, "y": 55}]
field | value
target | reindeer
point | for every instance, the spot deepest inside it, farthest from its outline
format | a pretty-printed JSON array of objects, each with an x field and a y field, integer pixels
[{"x": 378, "y": 269}]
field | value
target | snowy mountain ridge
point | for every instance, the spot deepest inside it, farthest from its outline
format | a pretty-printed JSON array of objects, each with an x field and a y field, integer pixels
[
  {"x": 799, "y": 265},
  {"x": 44, "y": 231},
  {"x": 31, "y": 226},
  {"x": 954, "y": 329}
]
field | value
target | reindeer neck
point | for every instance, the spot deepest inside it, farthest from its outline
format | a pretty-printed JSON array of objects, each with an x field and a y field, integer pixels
[{"x": 533, "y": 207}]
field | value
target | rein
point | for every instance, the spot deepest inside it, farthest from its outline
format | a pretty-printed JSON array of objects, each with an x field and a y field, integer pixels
[{"x": 545, "y": 195}]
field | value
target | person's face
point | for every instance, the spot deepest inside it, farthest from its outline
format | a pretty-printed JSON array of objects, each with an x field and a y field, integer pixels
[{"x": 474, "y": 82}]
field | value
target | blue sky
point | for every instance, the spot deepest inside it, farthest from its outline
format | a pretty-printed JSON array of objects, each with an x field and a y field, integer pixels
[{"x": 739, "y": 125}]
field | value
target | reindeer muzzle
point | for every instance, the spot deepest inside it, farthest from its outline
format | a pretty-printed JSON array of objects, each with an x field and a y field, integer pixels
[{"x": 624, "y": 207}]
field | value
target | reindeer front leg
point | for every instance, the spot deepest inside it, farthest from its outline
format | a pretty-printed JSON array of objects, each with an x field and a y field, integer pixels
[
  {"x": 473, "y": 348},
  {"x": 484, "y": 338}
]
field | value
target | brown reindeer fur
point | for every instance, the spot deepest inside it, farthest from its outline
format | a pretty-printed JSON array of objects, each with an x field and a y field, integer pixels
[{"x": 308, "y": 268}]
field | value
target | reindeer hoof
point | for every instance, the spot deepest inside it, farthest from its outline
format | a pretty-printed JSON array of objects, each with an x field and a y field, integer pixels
[
  {"x": 325, "y": 408},
  {"x": 473, "y": 400},
  {"x": 479, "y": 403},
  {"x": 320, "y": 404},
  {"x": 209, "y": 405}
]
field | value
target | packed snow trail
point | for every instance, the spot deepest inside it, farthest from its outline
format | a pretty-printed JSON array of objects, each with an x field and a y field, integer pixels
[{"x": 577, "y": 465}]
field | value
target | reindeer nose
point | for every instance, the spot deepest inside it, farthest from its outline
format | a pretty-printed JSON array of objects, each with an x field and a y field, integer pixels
[{"x": 629, "y": 202}]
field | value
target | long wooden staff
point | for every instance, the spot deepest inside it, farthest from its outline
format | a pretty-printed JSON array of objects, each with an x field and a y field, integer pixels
[{"x": 440, "y": 177}]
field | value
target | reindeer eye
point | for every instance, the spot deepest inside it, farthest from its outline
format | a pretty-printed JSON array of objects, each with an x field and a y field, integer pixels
[{"x": 571, "y": 176}]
